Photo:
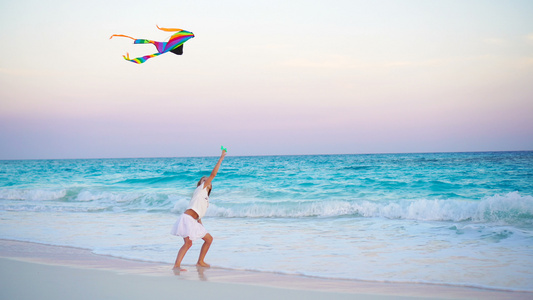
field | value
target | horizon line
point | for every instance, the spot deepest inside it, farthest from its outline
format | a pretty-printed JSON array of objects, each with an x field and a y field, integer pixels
[{"x": 266, "y": 155}]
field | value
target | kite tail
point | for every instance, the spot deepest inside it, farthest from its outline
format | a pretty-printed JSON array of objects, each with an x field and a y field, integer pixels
[
  {"x": 160, "y": 46},
  {"x": 121, "y": 35},
  {"x": 169, "y": 29},
  {"x": 135, "y": 41},
  {"x": 140, "y": 60},
  {"x": 143, "y": 41}
]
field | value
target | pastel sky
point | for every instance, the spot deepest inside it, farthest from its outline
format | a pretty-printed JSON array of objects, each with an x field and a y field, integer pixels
[{"x": 265, "y": 77}]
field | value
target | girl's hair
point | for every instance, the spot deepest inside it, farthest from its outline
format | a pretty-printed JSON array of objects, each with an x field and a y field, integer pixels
[{"x": 200, "y": 182}]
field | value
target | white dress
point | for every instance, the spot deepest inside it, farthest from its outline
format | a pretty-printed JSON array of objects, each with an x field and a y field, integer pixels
[
  {"x": 199, "y": 201},
  {"x": 187, "y": 226}
]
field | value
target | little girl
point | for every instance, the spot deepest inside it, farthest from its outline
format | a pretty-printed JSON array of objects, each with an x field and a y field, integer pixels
[{"x": 189, "y": 225}]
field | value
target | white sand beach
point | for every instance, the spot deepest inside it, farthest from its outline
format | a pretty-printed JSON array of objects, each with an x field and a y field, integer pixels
[{"x": 35, "y": 271}]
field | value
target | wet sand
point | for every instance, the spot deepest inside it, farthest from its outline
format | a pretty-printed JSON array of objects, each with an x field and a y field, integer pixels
[{"x": 36, "y": 271}]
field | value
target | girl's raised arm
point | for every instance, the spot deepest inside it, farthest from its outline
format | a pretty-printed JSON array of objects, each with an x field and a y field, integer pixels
[{"x": 215, "y": 169}]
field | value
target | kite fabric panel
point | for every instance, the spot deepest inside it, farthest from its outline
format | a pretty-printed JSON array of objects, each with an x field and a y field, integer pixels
[{"x": 174, "y": 44}]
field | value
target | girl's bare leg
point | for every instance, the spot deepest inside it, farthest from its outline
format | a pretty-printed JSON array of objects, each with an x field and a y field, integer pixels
[
  {"x": 208, "y": 239},
  {"x": 186, "y": 246}
]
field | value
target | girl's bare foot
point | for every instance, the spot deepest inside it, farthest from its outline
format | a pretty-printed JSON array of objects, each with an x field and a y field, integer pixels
[
  {"x": 203, "y": 264},
  {"x": 178, "y": 269}
]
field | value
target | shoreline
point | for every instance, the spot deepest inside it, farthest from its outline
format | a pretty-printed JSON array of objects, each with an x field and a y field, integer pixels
[{"x": 21, "y": 259}]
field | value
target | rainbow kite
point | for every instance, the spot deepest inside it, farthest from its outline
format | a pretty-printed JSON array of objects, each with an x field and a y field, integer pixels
[{"x": 174, "y": 44}]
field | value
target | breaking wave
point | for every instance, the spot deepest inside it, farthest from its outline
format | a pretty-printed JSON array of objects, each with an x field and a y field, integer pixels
[
  {"x": 35, "y": 195},
  {"x": 511, "y": 209}
]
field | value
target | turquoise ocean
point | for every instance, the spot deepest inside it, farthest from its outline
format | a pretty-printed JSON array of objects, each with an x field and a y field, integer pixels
[{"x": 448, "y": 218}]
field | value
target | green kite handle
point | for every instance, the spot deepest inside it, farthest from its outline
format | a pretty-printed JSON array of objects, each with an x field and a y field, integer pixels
[{"x": 223, "y": 148}]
